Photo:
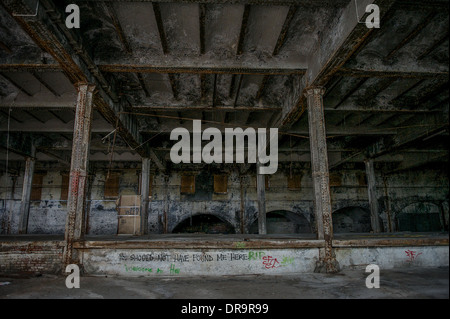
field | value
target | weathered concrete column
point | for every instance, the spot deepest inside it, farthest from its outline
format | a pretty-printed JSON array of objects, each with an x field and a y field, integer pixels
[
  {"x": 320, "y": 177},
  {"x": 145, "y": 186},
  {"x": 26, "y": 193},
  {"x": 261, "y": 193},
  {"x": 75, "y": 222},
  {"x": 373, "y": 200}
]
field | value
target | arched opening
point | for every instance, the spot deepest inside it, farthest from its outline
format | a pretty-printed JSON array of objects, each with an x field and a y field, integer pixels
[
  {"x": 284, "y": 222},
  {"x": 351, "y": 220},
  {"x": 420, "y": 217},
  {"x": 204, "y": 224}
]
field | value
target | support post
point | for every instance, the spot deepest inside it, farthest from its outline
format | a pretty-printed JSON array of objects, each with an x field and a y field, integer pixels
[
  {"x": 321, "y": 180},
  {"x": 75, "y": 222},
  {"x": 261, "y": 191},
  {"x": 242, "y": 210},
  {"x": 373, "y": 200},
  {"x": 26, "y": 192},
  {"x": 145, "y": 189}
]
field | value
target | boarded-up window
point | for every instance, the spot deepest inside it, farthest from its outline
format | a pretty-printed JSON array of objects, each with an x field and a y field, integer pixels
[
  {"x": 65, "y": 186},
  {"x": 335, "y": 179},
  {"x": 36, "y": 188},
  {"x": 220, "y": 184},
  {"x": 112, "y": 186},
  {"x": 362, "y": 180},
  {"x": 294, "y": 182},
  {"x": 188, "y": 184}
]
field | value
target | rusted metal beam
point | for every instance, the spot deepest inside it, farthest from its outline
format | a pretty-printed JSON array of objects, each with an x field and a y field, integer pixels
[
  {"x": 412, "y": 34},
  {"x": 306, "y": 3},
  {"x": 284, "y": 30},
  {"x": 202, "y": 243},
  {"x": 49, "y": 32},
  {"x": 203, "y": 86},
  {"x": 75, "y": 222},
  {"x": 204, "y": 108},
  {"x": 112, "y": 14},
  {"x": 160, "y": 24},
  {"x": 232, "y": 69},
  {"x": 370, "y": 73},
  {"x": 262, "y": 87},
  {"x": 238, "y": 90},
  {"x": 320, "y": 177},
  {"x": 350, "y": 93},
  {"x": 434, "y": 46},
  {"x": 352, "y": 36},
  {"x": 5, "y": 47},
  {"x": 391, "y": 241},
  {"x": 29, "y": 67},
  {"x": 142, "y": 83},
  {"x": 173, "y": 85},
  {"x": 375, "y": 90},
  {"x": 202, "y": 14},
  {"x": 242, "y": 33}
]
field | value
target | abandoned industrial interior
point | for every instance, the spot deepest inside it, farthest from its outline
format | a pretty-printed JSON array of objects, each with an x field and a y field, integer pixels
[{"x": 87, "y": 114}]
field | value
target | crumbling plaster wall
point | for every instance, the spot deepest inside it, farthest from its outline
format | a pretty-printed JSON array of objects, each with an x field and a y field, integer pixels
[{"x": 168, "y": 207}]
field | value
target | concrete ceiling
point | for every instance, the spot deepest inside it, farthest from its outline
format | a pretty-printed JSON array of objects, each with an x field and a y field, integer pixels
[{"x": 231, "y": 63}]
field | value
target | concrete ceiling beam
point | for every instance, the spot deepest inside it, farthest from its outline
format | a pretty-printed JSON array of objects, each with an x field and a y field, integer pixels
[
  {"x": 345, "y": 36},
  {"x": 48, "y": 31}
]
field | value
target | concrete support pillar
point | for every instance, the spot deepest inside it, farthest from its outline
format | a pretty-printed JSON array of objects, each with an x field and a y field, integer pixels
[
  {"x": 75, "y": 222},
  {"x": 373, "y": 200},
  {"x": 145, "y": 186},
  {"x": 261, "y": 193},
  {"x": 320, "y": 177},
  {"x": 26, "y": 193}
]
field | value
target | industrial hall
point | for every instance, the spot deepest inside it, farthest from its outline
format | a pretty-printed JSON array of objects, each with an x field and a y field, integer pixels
[{"x": 187, "y": 138}]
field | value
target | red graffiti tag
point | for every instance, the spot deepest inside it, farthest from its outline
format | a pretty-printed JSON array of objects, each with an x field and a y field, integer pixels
[
  {"x": 412, "y": 255},
  {"x": 270, "y": 262}
]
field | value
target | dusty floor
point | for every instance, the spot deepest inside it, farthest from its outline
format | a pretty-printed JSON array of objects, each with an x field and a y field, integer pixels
[{"x": 394, "y": 284}]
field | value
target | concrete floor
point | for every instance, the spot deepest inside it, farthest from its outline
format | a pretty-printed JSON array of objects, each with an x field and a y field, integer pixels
[{"x": 405, "y": 283}]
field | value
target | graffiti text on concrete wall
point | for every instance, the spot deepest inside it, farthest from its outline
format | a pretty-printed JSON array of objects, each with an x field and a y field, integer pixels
[
  {"x": 172, "y": 270},
  {"x": 269, "y": 262}
]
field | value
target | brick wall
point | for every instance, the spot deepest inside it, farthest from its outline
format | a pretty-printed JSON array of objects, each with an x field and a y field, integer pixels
[{"x": 31, "y": 257}]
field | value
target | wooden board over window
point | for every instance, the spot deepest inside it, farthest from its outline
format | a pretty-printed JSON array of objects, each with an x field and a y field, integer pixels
[
  {"x": 295, "y": 182},
  {"x": 188, "y": 184},
  {"x": 335, "y": 179},
  {"x": 36, "y": 188},
  {"x": 362, "y": 180},
  {"x": 220, "y": 184},
  {"x": 65, "y": 186},
  {"x": 112, "y": 186}
]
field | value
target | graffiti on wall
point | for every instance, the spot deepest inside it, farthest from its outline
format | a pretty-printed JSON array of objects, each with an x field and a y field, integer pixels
[
  {"x": 175, "y": 261},
  {"x": 412, "y": 255}
]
